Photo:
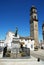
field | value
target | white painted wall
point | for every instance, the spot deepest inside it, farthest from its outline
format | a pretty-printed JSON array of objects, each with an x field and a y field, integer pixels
[
  {"x": 28, "y": 44},
  {"x": 9, "y": 38},
  {"x": 2, "y": 43}
]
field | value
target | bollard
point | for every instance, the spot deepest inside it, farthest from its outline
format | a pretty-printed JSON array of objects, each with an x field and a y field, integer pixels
[{"x": 38, "y": 59}]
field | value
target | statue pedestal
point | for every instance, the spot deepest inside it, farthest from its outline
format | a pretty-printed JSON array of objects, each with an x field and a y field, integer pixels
[{"x": 15, "y": 48}]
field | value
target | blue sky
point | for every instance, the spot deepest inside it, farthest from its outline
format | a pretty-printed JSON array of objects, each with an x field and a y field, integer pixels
[{"x": 16, "y": 13}]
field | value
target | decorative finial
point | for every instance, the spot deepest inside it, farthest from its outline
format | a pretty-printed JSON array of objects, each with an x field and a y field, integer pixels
[{"x": 33, "y": 6}]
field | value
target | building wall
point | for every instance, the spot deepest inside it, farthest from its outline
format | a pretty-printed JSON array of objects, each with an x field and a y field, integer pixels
[
  {"x": 2, "y": 43},
  {"x": 28, "y": 43},
  {"x": 9, "y": 38},
  {"x": 34, "y": 32}
]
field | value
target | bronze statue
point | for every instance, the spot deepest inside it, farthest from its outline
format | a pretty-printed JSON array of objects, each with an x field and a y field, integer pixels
[{"x": 16, "y": 32}]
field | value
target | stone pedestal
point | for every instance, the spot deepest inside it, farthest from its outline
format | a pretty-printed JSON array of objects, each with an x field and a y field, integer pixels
[
  {"x": 14, "y": 55},
  {"x": 15, "y": 48}
]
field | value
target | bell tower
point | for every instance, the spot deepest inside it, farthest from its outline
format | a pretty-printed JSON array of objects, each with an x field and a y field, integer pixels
[{"x": 34, "y": 25}]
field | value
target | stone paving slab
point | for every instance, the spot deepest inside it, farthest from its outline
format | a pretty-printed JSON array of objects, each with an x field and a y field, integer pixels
[
  {"x": 38, "y": 54},
  {"x": 21, "y": 63},
  {"x": 30, "y": 61}
]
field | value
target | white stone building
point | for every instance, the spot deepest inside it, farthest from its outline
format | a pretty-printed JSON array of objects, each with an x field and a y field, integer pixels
[
  {"x": 25, "y": 41},
  {"x": 2, "y": 43}
]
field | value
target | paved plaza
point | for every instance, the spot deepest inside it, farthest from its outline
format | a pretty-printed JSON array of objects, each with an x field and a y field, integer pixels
[
  {"x": 29, "y": 61},
  {"x": 38, "y": 54}
]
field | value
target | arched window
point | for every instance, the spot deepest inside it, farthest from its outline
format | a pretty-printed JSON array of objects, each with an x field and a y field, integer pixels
[{"x": 34, "y": 17}]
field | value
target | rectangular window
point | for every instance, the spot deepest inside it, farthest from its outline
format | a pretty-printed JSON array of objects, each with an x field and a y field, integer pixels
[{"x": 31, "y": 46}]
